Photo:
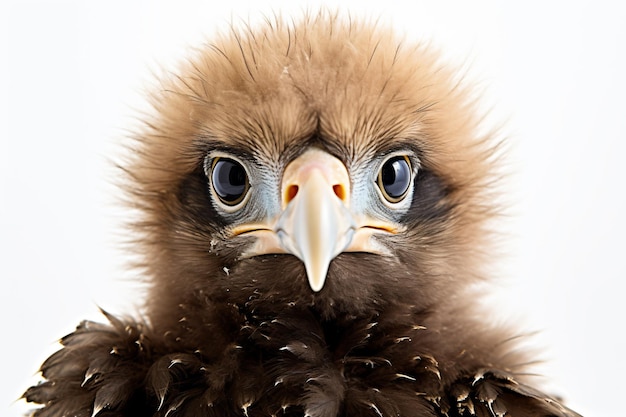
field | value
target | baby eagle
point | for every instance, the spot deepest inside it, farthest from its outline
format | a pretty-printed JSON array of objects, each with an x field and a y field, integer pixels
[{"x": 313, "y": 204}]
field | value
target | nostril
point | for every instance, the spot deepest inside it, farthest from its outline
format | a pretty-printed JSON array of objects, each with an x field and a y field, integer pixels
[
  {"x": 340, "y": 191},
  {"x": 292, "y": 190}
]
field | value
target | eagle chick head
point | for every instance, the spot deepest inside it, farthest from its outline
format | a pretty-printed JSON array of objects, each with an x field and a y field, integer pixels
[{"x": 325, "y": 164}]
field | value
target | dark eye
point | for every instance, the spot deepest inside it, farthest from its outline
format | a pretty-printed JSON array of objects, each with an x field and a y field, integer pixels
[
  {"x": 229, "y": 180},
  {"x": 394, "y": 178}
]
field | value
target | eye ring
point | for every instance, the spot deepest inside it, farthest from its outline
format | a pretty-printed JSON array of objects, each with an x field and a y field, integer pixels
[
  {"x": 229, "y": 181},
  {"x": 394, "y": 178}
]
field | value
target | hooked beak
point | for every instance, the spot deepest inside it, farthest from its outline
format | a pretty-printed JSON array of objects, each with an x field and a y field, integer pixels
[{"x": 316, "y": 223}]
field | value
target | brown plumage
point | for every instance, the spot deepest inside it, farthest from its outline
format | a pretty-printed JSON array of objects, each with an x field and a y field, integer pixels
[{"x": 235, "y": 324}]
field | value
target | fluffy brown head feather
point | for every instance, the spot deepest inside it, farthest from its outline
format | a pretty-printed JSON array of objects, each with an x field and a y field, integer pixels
[{"x": 353, "y": 89}]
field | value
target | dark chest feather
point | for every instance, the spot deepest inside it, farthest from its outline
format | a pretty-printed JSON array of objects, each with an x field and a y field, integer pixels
[{"x": 294, "y": 365}]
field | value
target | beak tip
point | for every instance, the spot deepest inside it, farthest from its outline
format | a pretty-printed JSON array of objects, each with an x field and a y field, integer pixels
[{"x": 317, "y": 280}]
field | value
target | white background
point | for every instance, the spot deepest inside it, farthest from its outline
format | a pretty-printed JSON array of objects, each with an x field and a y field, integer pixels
[{"x": 71, "y": 73}]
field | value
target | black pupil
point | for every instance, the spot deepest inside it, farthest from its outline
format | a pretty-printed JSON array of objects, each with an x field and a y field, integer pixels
[
  {"x": 229, "y": 180},
  {"x": 395, "y": 176}
]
